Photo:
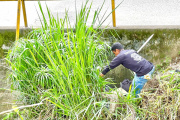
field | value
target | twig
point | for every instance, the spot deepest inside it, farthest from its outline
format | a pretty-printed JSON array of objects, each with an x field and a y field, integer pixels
[{"x": 22, "y": 107}]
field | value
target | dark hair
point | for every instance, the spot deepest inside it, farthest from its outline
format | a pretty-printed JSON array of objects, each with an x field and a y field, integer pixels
[{"x": 116, "y": 45}]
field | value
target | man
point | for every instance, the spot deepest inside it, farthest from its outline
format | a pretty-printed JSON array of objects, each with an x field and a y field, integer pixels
[{"x": 133, "y": 61}]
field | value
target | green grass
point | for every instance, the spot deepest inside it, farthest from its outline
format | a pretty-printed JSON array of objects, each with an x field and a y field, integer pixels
[{"x": 61, "y": 65}]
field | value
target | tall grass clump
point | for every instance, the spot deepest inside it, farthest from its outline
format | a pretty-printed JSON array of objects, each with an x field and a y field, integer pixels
[{"x": 59, "y": 64}]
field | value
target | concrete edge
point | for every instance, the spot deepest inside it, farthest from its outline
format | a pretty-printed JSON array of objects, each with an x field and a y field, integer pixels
[
  {"x": 106, "y": 27},
  {"x": 14, "y": 28},
  {"x": 146, "y": 27}
]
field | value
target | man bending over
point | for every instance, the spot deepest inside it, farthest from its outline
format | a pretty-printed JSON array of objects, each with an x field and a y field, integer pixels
[{"x": 132, "y": 60}]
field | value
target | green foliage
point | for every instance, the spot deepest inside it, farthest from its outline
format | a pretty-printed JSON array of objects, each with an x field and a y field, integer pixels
[
  {"x": 59, "y": 63},
  {"x": 164, "y": 64},
  {"x": 9, "y": 116}
]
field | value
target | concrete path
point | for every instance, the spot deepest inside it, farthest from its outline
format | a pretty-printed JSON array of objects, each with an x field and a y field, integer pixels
[{"x": 129, "y": 13}]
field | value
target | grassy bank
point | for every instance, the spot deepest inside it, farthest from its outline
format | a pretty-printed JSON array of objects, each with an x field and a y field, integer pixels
[{"x": 60, "y": 68}]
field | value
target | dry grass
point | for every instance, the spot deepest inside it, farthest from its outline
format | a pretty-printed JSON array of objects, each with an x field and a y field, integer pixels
[{"x": 161, "y": 95}]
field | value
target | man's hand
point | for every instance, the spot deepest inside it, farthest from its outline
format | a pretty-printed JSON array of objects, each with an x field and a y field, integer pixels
[{"x": 101, "y": 75}]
